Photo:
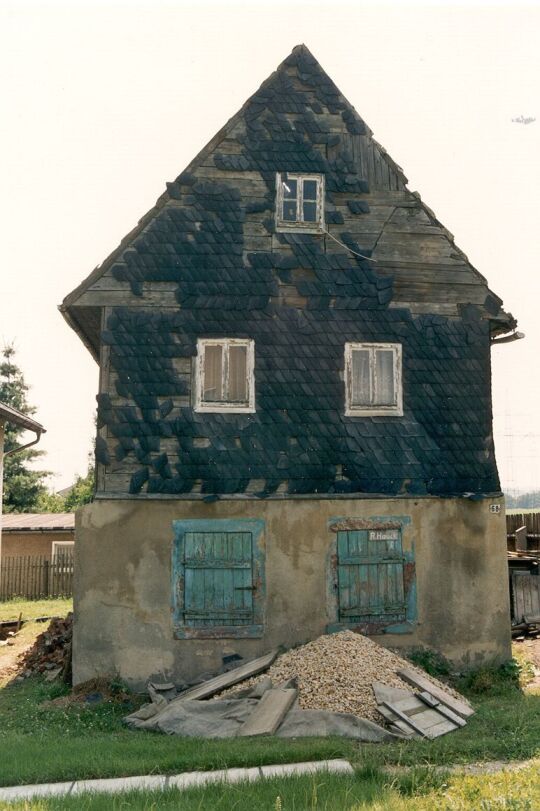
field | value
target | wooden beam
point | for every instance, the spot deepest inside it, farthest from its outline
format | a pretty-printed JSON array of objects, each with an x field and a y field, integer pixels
[
  {"x": 269, "y": 712},
  {"x": 425, "y": 684},
  {"x": 215, "y": 685}
]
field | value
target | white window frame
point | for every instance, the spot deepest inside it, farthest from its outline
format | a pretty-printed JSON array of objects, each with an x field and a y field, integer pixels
[
  {"x": 299, "y": 225},
  {"x": 56, "y": 544},
  {"x": 55, "y": 556},
  {"x": 223, "y": 407},
  {"x": 377, "y": 410}
]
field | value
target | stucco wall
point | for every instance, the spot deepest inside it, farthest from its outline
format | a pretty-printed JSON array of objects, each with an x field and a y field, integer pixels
[
  {"x": 123, "y": 581},
  {"x": 15, "y": 544}
]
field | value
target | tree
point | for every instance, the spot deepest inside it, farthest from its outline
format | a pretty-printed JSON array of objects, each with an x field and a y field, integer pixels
[
  {"x": 23, "y": 486},
  {"x": 82, "y": 491}
]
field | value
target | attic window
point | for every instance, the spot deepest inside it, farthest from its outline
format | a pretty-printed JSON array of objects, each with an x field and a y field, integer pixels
[
  {"x": 224, "y": 379},
  {"x": 299, "y": 202},
  {"x": 373, "y": 380}
]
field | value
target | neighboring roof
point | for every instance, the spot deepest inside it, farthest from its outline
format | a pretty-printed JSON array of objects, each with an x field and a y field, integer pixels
[
  {"x": 279, "y": 94},
  {"x": 10, "y": 414},
  {"x": 38, "y": 522}
]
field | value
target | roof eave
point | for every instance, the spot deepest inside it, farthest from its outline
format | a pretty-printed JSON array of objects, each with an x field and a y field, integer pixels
[{"x": 10, "y": 414}]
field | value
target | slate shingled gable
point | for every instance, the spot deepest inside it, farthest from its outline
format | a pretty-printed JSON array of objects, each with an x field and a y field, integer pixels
[{"x": 300, "y": 297}]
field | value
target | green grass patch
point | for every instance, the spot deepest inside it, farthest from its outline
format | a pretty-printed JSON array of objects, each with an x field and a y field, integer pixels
[
  {"x": 504, "y": 727},
  {"x": 365, "y": 790},
  {"x": 30, "y": 609},
  {"x": 42, "y": 743}
]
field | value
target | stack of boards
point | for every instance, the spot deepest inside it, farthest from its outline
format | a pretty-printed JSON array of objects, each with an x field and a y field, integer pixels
[
  {"x": 428, "y": 712},
  {"x": 273, "y": 706}
]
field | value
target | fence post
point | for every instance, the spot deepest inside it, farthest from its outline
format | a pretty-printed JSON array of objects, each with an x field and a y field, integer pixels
[{"x": 46, "y": 577}]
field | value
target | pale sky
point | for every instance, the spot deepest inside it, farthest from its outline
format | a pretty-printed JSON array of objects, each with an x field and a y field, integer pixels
[{"x": 102, "y": 103}]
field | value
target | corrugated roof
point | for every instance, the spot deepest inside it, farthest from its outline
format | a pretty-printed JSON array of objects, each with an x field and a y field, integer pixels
[{"x": 17, "y": 522}]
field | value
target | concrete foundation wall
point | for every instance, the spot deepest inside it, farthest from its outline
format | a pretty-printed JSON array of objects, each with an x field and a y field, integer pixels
[{"x": 123, "y": 592}]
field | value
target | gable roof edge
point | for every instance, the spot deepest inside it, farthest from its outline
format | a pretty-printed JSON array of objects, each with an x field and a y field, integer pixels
[{"x": 164, "y": 198}]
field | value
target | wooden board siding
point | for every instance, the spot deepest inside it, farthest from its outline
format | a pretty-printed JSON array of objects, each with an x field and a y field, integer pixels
[{"x": 526, "y": 597}]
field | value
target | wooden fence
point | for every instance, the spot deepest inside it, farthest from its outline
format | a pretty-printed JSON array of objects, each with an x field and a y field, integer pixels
[
  {"x": 36, "y": 577},
  {"x": 529, "y": 520}
]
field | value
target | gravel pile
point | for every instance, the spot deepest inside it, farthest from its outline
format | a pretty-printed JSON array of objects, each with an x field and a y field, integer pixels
[{"x": 335, "y": 672}]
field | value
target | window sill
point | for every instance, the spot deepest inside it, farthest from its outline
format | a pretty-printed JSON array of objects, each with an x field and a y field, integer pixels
[
  {"x": 224, "y": 409},
  {"x": 374, "y": 629},
  {"x": 374, "y": 412},
  {"x": 299, "y": 228},
  {"x": 218, "y": 632}
]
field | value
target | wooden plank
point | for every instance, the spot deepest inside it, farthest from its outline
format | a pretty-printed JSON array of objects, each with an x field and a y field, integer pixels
[
  {"x": 392, "y": 718},
  {"x": 269, "y": 712},
  {"x": 460, "y": 293},
  {"x": 430, "y": 721},
  {"x": 405, "y": 718},
  {"x": 432, "y": 702},
  {"x": 426, "y": 717},
  {"x": 383, "y": 692},
  {"x": 426, "y": 274},
  {"x": 420, "y": 307},
  {"x": 423, "y": 683},
  {"x": 526, "y": 591},
  {"x": 521, "y": 539},
  {"x": 215, "y": 685},
  {"x": 440, "y": 729},
  {"x": 124, "y": 298}
]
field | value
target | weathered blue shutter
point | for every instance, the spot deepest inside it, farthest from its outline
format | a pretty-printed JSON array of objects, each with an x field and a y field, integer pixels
[
  {"x": 370, "y": 576},
  {"x": 218, "y": 579}
]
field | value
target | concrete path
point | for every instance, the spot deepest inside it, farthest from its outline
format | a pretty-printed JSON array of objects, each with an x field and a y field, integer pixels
[{"x": 181, "y": 781}]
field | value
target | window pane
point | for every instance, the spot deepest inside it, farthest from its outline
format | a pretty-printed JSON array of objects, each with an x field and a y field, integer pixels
[
  {"x": 360, "y": 389},
  {"x": 238, "y": 374},
  {"x": 289, "y": 188},
  {"x": 310, "y": 212},
  {"x": 213, "y": 374},
  {"x": 384, "y": 377},
  {"x": 289, "y": 210},
  {"x": 310, "y": 189}
]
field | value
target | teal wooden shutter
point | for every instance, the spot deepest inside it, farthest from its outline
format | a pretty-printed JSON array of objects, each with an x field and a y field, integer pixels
[
  {"x": 218, "y": 579},
  {"x": 370, "y": 576}
]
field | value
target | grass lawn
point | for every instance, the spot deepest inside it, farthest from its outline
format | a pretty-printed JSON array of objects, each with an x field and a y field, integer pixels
[
  {"x": 30, "y": 609},
  {"x": 43, "y": 743},
  {"x": 421, "y": 789}
]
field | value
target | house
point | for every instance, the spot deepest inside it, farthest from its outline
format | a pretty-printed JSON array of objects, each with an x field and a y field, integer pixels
[
  {"x": 14, "y": 417},
  {"x": 38, "y": 534},
  {"x": 294, "y": 422}
]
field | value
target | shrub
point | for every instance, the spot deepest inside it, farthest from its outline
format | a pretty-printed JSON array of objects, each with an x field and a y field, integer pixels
[
  {"x": 431, "y": 661},
  {"x": 492, "y": 678}
]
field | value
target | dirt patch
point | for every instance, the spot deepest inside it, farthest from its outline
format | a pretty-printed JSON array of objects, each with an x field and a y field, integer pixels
[
  {"x": 93, "y": 691},
  {"x": 10, "y": 654},
  {"x": 530, "y": 648}
]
